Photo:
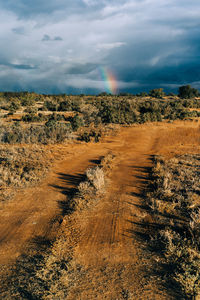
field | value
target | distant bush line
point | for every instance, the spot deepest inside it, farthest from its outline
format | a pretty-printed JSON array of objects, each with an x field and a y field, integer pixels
[{"x": 53, "y": 117}]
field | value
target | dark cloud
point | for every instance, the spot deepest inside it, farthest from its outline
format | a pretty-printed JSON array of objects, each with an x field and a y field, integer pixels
[
  {"x": 18, "y": 66},
  {"x": 47, "y": 38},
  {"x": 22, "y": 67},
  {"x": 29, "y": 8},
  {"x": 81, "y": 68},
  {"x": 144, "y": 43}
]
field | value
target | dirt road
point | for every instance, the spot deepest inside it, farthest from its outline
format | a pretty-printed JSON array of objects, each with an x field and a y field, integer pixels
[
  {"x": 109, "y": 252},
  {"x": 109, "y": 261}
]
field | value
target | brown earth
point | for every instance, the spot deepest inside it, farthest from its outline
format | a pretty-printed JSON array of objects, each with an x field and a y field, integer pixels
[{"x": 110, "y": 259}]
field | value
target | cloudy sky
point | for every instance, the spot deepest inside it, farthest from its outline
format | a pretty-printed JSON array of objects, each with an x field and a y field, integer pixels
[{"x": 68, "y": 46}]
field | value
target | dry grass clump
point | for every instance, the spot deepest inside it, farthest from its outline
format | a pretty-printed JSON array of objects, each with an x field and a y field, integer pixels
[
  {"x": 174, "y": 200},
  {"x": 90, "y": 190},
  {"x": 96, "y": 178},
  {"x": 93, "y": 188},
  {"x": 108, "y": 163},
  {"x": 21, "y": 167}
]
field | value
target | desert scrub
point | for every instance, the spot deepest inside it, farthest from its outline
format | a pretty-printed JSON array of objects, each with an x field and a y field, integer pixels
[
  {"x": 92, "y": 133},
  {"x": 50, "y": 133},
  {"x": 21, "y": 167},
  {"x": 173, "y": 198}
]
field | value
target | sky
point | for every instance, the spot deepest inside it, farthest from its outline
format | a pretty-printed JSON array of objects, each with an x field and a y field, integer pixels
[{"x": 91, "y": 46}]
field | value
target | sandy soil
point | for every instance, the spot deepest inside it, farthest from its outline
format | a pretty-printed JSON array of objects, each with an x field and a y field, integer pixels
[{"x": 109, "y": 260}]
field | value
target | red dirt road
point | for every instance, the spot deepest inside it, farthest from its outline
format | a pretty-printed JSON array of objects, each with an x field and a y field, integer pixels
[{"x": 109, "y": 261}]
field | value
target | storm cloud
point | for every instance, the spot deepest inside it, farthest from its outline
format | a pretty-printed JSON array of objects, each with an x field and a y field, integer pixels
[{"x": 62, "y": 46}]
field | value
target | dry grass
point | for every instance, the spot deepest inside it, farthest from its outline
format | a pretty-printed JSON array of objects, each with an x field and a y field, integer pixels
[
  {"x": 186, "y": 139},
  {"x": 21, "y": 167},
  {"x": 108, "y": 163},
  {"x": 96, "y": 178},
  {"x": 175, "y": 206}
]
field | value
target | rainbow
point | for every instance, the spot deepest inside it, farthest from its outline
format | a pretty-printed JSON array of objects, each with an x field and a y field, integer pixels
[{"x": 109, "y": 79}]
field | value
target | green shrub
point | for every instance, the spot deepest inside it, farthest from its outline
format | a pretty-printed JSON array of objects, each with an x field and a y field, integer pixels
[
  {"x": 76, "y": 122},
  {"x": 31, "y": 117},
  {"x": 157, "y": 93},
  {"x": 14, "y": 106},
  {"x": 49, "y": 105},
  {"x": 65, "y": 106},
  {"x": 187, "y": 92}
]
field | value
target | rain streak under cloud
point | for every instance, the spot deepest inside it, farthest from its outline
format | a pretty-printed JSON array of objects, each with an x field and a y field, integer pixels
[{"x": 77, "y": 46}]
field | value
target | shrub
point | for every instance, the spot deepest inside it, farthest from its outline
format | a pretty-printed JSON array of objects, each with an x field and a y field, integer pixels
[
  {"x": 107, "y": 162},
  {"x": 88, "y": 134},
  {"x": 96, "y": 178},
  {"x": 76, "y": 122},
  {"x": 28, "y": 100},
  {"x": 90, "y": 114},
  {"x": 118, "y": 113},
  {"x": 157, "y": 93},
  {"x": 30, "y": 117},
  {"x": 49, "y": 105},
  {"x": 187, "y": 92},
  {"x": 65, "y": 106}
]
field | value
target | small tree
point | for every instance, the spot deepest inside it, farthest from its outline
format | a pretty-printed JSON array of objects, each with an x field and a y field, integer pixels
[
  {"x": 187, "y": 92},
  {"x": 157, "y": 93}
]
